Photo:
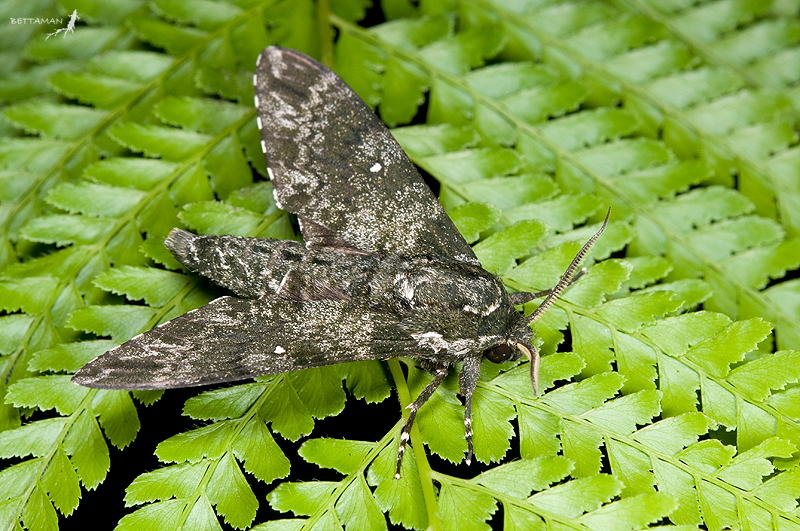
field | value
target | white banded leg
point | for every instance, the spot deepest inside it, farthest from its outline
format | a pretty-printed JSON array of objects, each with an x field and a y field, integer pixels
[
  {"x": 468, "y": 427},
  {"x": 467, "y": 382},
  {"x": 423, "y": 397}
]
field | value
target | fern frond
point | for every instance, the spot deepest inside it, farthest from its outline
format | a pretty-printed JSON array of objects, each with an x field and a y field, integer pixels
[{"x": 539, "y": 115}]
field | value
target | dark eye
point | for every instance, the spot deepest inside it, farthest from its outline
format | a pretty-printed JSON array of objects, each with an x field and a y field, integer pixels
[{"x": 500, "y": 353}]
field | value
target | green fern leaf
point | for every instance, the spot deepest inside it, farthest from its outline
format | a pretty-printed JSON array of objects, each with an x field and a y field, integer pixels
[
  {"x": 357, "y": 508},
  {"x": 472, "y": 218},
  {"x": 164, "y": 483},
  {"x": 259, "y": 453},
  {"x": 155, "y": 141},
  {"x": 499, "y": 252},
  {"x": 520, "y": 478},
  {"x": 368, "y": 381},
  {"x": 94, "y": 199},
  {"x": 649, "y": 107},
  {"x": 341, "y": 455},
  {"x": 39, "y": 513},
  {"x": 88, "y": 451},
  {"x": 61, "y": 483},
  {"x": 211, "y": 217},
  {"x": 65, "y": 229},
  {"x": 68, "y": 357},
  {"x": 31, "y": 439},
  {"x": 156, "y": 287},
  {"x": 119, "y": 322},
  {"x": 47, "y": 392},
  {"x": 230, "y": 494},
  {"x": 403, "y": 500},
  {"x": 58, "y": 121},
  {"x": 303, "y": 499},
  {"x": 31, "y": 294}
]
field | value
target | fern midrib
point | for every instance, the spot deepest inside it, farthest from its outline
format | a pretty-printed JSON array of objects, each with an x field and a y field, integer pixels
[
  {"x": 562, "y": 154},
  {"x": 701, "y": 48},
  {"x": 652, "y": 454},
  {"x": 85, "y": 405},
  {"x": 754, "y": 167},
  {"x": 333, "y": 497}
]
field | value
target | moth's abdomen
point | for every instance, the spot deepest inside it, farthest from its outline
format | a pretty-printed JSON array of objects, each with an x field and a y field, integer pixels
[{"x": 250, "y": 267}]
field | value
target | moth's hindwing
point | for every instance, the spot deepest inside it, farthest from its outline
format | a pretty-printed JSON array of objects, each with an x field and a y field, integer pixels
[
  {"x": 332, "y": 161},
  {"x": 250, "y": 267},
  {"x": 234, "y": 339}
]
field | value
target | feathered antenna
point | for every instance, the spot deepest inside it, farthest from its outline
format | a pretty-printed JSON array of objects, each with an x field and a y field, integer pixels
[{"x": 566, "y": 278}]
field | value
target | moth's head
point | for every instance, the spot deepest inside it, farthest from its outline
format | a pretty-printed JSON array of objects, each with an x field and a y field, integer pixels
[
  {"x": 516, "y": 338},
  {"x": 514, "y": 331}
]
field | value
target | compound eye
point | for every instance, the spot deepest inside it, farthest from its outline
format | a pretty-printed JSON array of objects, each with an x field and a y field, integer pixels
[{"x": 500, "y": 353}]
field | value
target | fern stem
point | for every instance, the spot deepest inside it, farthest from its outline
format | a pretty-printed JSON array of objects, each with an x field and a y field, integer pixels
[
  {"x": 425, "y": 472},
  {"x": 325, "y": 32}
]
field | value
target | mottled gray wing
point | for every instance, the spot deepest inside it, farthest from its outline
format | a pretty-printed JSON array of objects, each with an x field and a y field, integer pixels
[
  {"x": 250, "y": 267},
  {"x": 333, "y": 162},
  {"x": 235, "y": 339}
]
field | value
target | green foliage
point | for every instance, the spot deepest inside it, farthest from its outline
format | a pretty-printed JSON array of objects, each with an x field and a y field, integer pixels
[{"x": 680, "y": 115}]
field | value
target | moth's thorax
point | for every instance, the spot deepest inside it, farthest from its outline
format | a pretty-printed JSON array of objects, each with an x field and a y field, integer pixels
[
  {"x": 452, "y": 309},
  {"x": 423, "y": 284}
]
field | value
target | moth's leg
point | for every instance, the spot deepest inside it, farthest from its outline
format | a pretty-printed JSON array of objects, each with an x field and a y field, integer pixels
[
  {"x": 439, "y": 373},
  {"x": 521, "y": 297},
  {"x": 467, "y": 382}
]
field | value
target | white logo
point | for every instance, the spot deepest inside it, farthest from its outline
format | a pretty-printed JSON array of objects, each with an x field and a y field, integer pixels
[{"x": 70, "y": 26}]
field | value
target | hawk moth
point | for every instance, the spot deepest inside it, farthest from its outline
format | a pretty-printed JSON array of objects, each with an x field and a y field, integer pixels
[{"x": 383, "y": 272}]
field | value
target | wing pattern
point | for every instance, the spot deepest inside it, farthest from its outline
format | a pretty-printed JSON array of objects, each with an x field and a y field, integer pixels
[
  {"x": 233, "y": 339},
  {"x": 333, "y": 162}
]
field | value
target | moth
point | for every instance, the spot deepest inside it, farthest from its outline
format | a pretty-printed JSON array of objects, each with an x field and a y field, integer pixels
[{"x": 383, "y": 271}]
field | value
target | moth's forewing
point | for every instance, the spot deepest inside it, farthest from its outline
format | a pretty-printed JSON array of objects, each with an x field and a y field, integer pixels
[
  {"x": 235, "y": 339},
  {"x": 334, "y": 162}
]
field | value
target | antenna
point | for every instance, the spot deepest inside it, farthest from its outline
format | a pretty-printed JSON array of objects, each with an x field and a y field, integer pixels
[{"x": 566, "y": 278}]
